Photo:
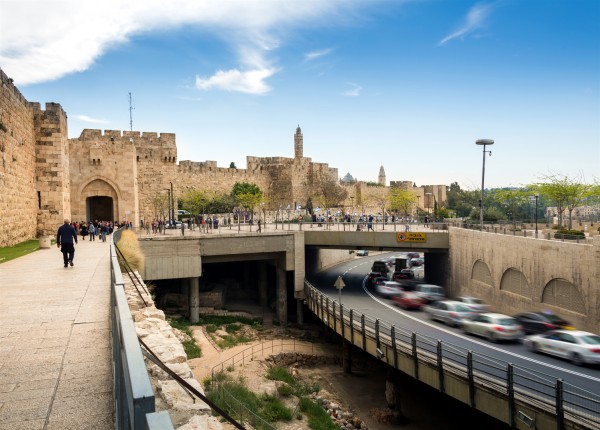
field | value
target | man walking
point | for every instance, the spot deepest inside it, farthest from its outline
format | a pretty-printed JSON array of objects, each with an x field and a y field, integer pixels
[{"x": 65, "y": 239}]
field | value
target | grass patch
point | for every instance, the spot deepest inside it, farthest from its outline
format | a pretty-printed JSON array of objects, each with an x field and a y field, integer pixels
[
  {"x": 285, "y": 390},
  {"x": 281, "y": 374},
  {"x": 232, "y": 328},
  {"x": 18, "y": 250},
  {"x": 130, "y": 248},
  {"x": 317, "y": 417},
  {"x": 227, "y": 319},
  {"x": 231, "y": 393},
  {"x": 230, "y": 341},
  {"x": 190, "y": 347},
  {"x": 211, "y": 328}
]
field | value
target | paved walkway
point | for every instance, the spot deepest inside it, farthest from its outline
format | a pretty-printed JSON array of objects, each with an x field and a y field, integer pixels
[{"x": 55, "y": 351}]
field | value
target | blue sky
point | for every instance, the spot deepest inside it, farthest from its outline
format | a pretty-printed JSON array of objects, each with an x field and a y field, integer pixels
[{"x": 409, "y": 85}]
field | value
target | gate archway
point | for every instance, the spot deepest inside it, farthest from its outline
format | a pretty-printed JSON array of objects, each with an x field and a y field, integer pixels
[
  {"x": 99, "y": 200},
  {"x": 99, "y": 208}
]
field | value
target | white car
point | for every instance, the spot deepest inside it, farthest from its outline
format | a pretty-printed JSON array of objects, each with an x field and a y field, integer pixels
[
  {"x": 581, "y": 347},
  {"x": 494, "y": 327},
  {"x": 362, "y": 253},
  {"x": 449, "y": 312},
  {"x": 388, "y": 288},
  {"x": 430, "y": 293},
  {"x": 473, "y": 303}
]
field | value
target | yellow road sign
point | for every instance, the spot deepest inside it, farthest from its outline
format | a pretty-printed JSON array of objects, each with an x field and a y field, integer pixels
[{"x": 407, "y": 236}]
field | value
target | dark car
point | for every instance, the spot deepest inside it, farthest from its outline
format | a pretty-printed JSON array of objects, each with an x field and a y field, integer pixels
[
  {"x": 403, "y": 274},
  {"x": 375, "y": 276},
  {"x": 540, "y": 322}
]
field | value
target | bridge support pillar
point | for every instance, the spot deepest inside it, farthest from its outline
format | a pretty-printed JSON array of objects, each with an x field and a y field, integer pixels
[
  {"x": 299, "y": 311},
  {"x": 392, "y": 392},
  {"x": 262, "y": 285},
  {"x": 281, "y": 296},
  {"x": 346, "y": 356},
  {"x": 194, "y": 286}
]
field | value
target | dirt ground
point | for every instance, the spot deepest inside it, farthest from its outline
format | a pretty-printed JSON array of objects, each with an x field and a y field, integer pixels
[{"x": 359, "y": 391}]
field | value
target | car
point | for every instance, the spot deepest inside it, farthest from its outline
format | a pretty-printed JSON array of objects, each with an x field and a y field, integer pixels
[
  {"x": 495, "y": 327},
  {"x": 474, "y": 304},
  {"x": 540, "y": 322},
  {"x": 430, "y": 293},
  {"x": 408, "y": 300},
  {"x": 411, "y": 255},
  {"x": 416, "y": 262},
  {"x": 362, "y": 253},
  {"x": 373, "y": 276},
  {"x": 388, "y": 288},
  {"x": 403, "y": 274},
  {"x": 580, "y": 347},
  {"x": 450, "y": 312},
  {"x": 183, "y": 212}
]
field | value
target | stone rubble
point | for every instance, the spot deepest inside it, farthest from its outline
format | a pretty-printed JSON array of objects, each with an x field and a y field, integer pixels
[{"x": 166, "y": 343}]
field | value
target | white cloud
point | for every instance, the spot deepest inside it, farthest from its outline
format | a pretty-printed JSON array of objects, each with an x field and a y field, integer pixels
[
  {"x": 91, "y": 120},
  {"x": 44, "y": 40},
  {"x": 475, "y": 19},
  {"x": 313, "y": 55},
  {"x": 251, "y": 81},
  {"x": 354, "y": 91}
]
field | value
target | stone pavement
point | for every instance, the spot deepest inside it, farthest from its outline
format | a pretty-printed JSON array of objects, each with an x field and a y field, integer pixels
[{"x": 55, "y": 350}]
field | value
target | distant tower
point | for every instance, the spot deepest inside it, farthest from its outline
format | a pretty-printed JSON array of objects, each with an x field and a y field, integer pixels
[
  {"x": 381, "y": 179},
  {"x": 298, "y": 143}
]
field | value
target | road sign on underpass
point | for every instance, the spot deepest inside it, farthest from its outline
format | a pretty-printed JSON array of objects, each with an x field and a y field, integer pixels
[{"x": 411, "y": 237}]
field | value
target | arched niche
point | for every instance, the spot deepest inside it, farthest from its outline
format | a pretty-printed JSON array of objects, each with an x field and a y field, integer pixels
[
  {"x": 481, "y": 273},
  {"x": 564, "y": 294},
  {"x": 515, "y": 282}
]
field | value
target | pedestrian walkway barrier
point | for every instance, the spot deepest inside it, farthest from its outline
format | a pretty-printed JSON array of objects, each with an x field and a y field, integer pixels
[{"x": 134, "y": 398}]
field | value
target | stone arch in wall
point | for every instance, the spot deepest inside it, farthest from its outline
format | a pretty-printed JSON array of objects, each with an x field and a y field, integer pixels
[
  {"x": 481, "y": 273},
  {"x": 515, "y": 282},
  {"x": 101, "y": 199},
  {"x": 563, "y": 294}
]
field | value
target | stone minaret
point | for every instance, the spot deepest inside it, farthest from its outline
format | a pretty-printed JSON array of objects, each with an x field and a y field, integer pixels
[
  {"x": 381, "y": 178},
  {"x": 298, "y": 144}
]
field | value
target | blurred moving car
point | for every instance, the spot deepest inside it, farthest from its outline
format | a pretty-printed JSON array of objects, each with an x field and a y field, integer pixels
[
  {"x": 494, "y": 327},
  {"x": 408, "y": 300},
  {"x": 430, "y": 293},
  {"x": 581, "y": 347},
  {"x": 449, "y": 312},
  {"x": 373, "y": 276},
  {"x": 403, "y": 274},
  {"x": 362, "y": 253},
  {"x": 416, "y": 262},
  {"x": 540, "y": 322},
  {"x": 388, "y": 288},
  {"x": 474, "y": 304}
]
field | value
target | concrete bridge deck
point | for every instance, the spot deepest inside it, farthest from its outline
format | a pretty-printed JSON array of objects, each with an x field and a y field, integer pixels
[{"x": 55, "y": 350}]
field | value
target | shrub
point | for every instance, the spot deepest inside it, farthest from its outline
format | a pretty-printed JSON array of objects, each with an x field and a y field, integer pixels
[
  {"x": 211, "y": 328},
  {"x": 232, "y": 328},
  {"x": 274, "y": 409},
  {"x": 317, "y": 416},
  {"x": 285, "y": 390},
  {"x": 280, "y": 374},
  {"x": 130, "y": 248},
  {"x": 569, "y": 234}
]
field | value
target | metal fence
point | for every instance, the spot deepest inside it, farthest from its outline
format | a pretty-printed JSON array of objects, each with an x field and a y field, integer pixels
[
  {"x": 516, "y": 384},
  {"x": 134, "y": 398},
  {"x": 237, "y": 408}
]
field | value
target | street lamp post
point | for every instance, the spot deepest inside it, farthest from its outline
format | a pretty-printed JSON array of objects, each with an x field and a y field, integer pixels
[
  {"x": 536, "y": 215},
  {"x": 483, "y": 142}
]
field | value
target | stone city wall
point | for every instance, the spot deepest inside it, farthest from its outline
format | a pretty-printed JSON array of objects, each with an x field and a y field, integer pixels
[{"x": 18, "y": 198}]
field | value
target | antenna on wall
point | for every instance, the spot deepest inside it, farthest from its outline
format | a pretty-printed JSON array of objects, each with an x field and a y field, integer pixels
[{"x": 131, "y": 108}]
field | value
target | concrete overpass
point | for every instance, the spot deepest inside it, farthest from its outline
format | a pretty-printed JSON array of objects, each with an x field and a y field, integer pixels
[{"x": 512, "y": 273}]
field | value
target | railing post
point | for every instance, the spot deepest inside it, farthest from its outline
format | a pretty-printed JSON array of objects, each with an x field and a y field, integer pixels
[
  {"x": 364, "y": 337},
  {"x": 511, "y": 394},
  {"x": 415, "y": 356},
  {"x": 352, "y": 326},
  {"x": 470, "y": 378},
  {"x": 377, "y": 342},
  {"x": 327, "y": 309},
  {"x": 322, "y": 308},
  {"x": 560, "y": 412},
  {"x": 440, "y": 366},
  {"x": 393, "y": 334},
  {"x": 334, "y": 318},
  {"x": 342, "y": 319}
]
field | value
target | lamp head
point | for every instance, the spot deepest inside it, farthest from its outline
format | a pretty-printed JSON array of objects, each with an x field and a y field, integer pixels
[{"x": 484, "y": 142}]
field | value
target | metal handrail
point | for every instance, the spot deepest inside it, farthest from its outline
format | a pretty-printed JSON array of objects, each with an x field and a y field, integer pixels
[{"x": 564, "y": 401}]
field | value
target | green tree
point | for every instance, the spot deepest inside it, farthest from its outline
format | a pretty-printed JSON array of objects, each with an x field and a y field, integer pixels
[
  {"x": 567, "y": 193},
  {"x": 329, "y": 193},
  {"x": 232, "y": 165},
  {"x": 160, "y": 206},
  {"x": 402, "y": 201},
  {"x": 195, "y": 201},
  {"x": 247, "y": 195},
  {"x": 510, "y": 199}
]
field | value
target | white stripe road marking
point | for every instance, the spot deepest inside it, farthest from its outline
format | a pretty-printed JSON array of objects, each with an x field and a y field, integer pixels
[{"x": 487, "y": 345}]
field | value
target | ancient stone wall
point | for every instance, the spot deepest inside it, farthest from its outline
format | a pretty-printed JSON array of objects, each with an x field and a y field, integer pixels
[
  {"x": 18, "y": 197},
  {"x": 52, "y": 175}
]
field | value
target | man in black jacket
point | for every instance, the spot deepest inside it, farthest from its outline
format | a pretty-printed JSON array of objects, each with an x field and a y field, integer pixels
[{"x": 66, "y": 237}]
